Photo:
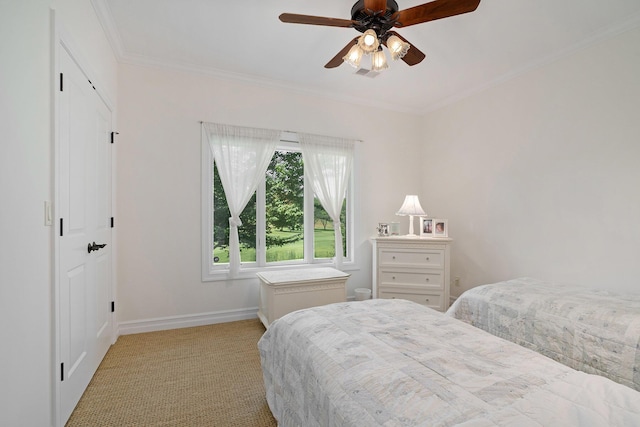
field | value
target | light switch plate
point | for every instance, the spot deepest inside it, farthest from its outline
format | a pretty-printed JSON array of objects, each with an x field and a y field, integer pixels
[{"x": 47, "y": 213}]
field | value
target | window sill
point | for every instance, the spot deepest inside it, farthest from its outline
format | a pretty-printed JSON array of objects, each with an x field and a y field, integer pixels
[{"x": 250, "y": 273}]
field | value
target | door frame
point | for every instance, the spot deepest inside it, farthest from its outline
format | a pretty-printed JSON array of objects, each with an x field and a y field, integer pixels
[{"x": 60, "y": 39}]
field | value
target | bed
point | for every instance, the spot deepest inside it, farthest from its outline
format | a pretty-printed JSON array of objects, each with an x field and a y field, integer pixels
[
  {"x": 593, "y": 331},
  {"x": 397, "y": 363}
]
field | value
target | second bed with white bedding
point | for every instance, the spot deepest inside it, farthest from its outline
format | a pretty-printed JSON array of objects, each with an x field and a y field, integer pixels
[{"x": 594, "y": 331}]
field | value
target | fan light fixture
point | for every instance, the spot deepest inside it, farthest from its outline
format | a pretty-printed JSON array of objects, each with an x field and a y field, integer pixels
[
  {"x": 397, "y": 47},
  {"x": 354, "y": 56},
  {"x": 379, "y": 61},
  {"x": 369, "y": 44},
  {"x": 368, "y": 41},
  {"x": 411, "y": 207}
]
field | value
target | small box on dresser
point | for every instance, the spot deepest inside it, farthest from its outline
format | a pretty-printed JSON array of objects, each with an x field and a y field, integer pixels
[{"x": 412, "y": 268}]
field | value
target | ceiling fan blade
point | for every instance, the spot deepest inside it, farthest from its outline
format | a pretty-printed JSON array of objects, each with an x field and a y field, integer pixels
[
  {"x": 375, "y": 6},
  {"x": 293, "y": 18},
  {"x": 413, "y": 56},
  {"x": 336, "y": 61},
  {"x": 431, "y": 11}
]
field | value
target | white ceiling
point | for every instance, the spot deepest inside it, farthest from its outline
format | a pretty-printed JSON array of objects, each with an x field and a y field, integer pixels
[{"x": 244, "y": 39}]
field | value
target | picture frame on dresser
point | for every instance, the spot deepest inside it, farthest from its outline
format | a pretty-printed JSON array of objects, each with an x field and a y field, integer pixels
[
  {"x": 440, "y": 228},
  {"x": 426, "y": 227},
  {"x": 383, "y": 229}
]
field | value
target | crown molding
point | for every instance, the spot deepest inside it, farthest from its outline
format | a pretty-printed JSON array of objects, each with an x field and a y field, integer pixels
[{"x": 105, "y": 17}]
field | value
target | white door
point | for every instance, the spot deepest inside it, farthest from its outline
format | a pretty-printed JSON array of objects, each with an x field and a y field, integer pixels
[
  {"x": 102, "y": 190},
  {"x": 84, "y": 211}
]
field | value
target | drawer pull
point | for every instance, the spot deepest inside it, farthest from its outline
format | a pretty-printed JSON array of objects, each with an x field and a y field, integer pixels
[
  {"x": 427, "y": 258},
  {"x": 426, "y": 299},
  {"x": 393, "y": 257},
  {"x": 393, "y": 277},
  {"x": 427, "y": 279}
]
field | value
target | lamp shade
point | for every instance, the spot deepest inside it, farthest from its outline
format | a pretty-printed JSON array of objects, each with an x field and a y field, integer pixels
[
  {"x": 379, "y": 61},
  {"x": 354, "y": 56},
  {"x": 368, "y": 41},
  {"x": 411, "y": 206},
  {"x": 397, "y": 47}
]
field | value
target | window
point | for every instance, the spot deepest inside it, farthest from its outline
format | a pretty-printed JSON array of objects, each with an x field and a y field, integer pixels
[{"x": 283, "y": 224}]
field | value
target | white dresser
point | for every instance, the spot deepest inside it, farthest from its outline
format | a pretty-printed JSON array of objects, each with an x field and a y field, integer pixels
[
  {"x": 412, "y": 268},
  {"x": 282, "y": 292}
]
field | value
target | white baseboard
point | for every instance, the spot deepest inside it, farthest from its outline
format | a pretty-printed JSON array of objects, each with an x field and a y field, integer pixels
[{"x": 185, "y": 321}]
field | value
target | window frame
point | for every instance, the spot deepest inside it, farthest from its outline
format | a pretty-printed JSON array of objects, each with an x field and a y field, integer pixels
[{"x": 216, "y": 272}]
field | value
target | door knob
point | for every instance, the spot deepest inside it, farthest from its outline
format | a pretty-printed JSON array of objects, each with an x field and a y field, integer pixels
[{"x": 94, "y": 247}]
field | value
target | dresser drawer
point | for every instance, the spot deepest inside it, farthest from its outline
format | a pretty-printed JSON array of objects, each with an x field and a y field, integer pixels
[
  {"x": 425, "y": 279},
  {"x": 432, "y": 258},
  {"x": 434, "y": 300}
]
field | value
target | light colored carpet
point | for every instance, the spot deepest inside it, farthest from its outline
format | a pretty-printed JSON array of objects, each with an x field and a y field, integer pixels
[{"x": 201, "y": 376}]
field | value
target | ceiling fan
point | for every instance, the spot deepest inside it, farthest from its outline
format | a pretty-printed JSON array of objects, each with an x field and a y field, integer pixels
[{"x": 375, "y": 19}]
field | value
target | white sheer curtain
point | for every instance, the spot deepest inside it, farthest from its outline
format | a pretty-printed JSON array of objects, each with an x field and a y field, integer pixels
[
  {"x": 242, "y": 156},
  {"x": 327, "y": 163}
]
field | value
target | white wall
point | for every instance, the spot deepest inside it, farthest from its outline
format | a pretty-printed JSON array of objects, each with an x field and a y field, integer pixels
[
  {"x": 26, "y": 329},
  {"x": 158, "y": 215},
  {"x": 539, "y": 176},
  {"x": 25, "y": 249}
]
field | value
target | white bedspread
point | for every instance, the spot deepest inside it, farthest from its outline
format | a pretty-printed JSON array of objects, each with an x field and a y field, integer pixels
[
  {"x": 397, "y": 363},
  {"x": 597, "y": 332}
]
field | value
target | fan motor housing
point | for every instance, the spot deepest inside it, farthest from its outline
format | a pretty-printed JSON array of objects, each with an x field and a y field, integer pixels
[{"x": 380, "y": 23}]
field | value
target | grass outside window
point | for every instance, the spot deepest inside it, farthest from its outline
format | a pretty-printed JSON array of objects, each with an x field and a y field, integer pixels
[{"x": 324, "y": 248}]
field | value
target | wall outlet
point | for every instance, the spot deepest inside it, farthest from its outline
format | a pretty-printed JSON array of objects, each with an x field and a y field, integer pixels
[{"x": 456, "y": 281}]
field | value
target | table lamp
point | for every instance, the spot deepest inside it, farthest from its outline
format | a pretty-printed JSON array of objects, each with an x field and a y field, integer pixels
[{"x": 411, "y": 207}]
